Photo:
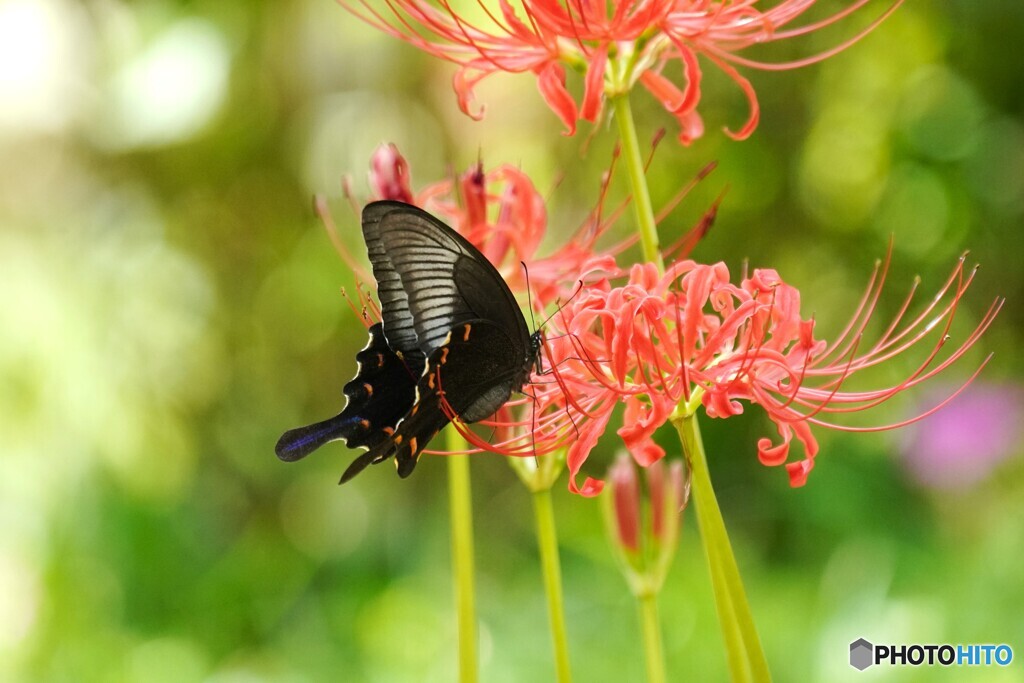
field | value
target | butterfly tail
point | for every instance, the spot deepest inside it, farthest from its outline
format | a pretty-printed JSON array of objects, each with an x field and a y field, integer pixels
[
  {"x": 411, "y": 436},
  {"x": 424, "y": 421},
  {"x": 358, "y": 465},
  {"x": 296, "y": 444}
]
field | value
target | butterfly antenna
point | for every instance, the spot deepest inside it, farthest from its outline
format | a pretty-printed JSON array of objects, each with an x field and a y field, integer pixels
[
  {"x": 560, "y": 305},
  {"x": 529, "y": 294}
]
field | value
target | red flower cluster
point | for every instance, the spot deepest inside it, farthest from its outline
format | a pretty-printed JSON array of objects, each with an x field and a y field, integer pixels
[
  {"x": 669, "y": 344},
  {"x": 613, "y": 45}
]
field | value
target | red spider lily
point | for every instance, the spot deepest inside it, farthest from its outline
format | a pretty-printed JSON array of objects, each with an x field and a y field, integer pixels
[
  {"x": 614, "y": 45},
  {"x": 691, "y": 337}
]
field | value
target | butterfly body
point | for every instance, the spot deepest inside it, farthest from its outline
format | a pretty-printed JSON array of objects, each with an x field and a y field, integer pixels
[{"x": 453, "y": 342}]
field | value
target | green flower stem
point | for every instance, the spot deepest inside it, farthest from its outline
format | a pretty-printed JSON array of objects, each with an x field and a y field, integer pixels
[
  {"x": 646, "y": 226},
  {"x": 461, "y": 503},
  {"x": 651, "y": 624},
  {"x": 736, "y": 656},
  {"x": 743, "y": 646},
  {"x": 547, "y": 542}
]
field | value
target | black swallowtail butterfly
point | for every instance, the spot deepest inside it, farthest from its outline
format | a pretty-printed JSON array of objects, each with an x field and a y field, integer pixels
[{"x": 452, "y": 332}]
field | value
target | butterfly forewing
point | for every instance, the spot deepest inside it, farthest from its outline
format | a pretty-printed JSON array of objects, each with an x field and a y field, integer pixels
[
  {"x": 426, "y": 264},
  {"x": 400, "y": 332},
  {"x": 445, "y": 280},
  {"x": 474, "y": 280}
]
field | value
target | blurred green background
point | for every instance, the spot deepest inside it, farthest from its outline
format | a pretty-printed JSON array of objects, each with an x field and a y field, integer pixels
[{"x": 171, "y": 304}]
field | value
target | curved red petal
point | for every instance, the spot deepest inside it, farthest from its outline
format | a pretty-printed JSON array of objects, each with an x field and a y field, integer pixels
[
  {"x": 682, "y": 104},
  {"x": 640, "y": 421},
  {"x": 798, "y": 472},
  {"x": 464, "y": 80},
  {"x": 580, "y": 449},
  {"x": 772, "y": 456},
  {"x": 591, "y": 487},
  {"x": 551, "y": 82},
  {"x": 755, "y": 109},
  {"x": 593, "y": 93}
]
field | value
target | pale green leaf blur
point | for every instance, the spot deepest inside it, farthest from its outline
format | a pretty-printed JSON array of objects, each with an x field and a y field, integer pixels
[{"x": 171, "y": 304}]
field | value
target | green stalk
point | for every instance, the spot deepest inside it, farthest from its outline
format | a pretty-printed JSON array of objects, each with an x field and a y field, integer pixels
[
  {"x": 547, "y": 542},
  {"x": 742, "y": 644},
  {"x": 651, "y": 627},
  {"x": 460, "y": 501},
  {"x": 646, "y": 226},
  {"x": 736, "y": 656}
]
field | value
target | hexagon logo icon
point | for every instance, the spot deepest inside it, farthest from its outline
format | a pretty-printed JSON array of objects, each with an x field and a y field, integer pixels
[{"x": 861, "y": 654}]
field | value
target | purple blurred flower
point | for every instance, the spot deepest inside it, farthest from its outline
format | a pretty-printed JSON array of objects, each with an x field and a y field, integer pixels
[{"x": 961, "y": 444}]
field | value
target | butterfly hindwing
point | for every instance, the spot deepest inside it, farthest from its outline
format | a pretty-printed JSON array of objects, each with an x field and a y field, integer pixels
[
  {"x": 479, "y": 371},
  {"x": 474, "y": 371},
  {"x": 380, "y": 395},
  {"x": 382, "y": 391},
  {"x": 400, "y": 333}
]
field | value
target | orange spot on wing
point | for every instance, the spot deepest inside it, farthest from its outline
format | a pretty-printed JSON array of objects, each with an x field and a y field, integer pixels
[{"x": 465, "y": 333}]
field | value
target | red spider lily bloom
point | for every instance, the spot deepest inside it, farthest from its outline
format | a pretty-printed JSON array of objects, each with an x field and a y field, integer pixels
[
  {"x": 613, "y": 45},
  {"x": 692, "y": 338}
]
